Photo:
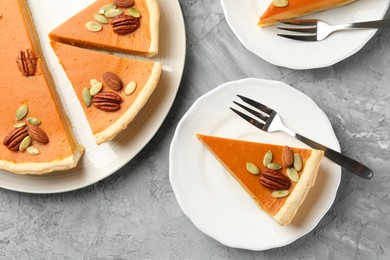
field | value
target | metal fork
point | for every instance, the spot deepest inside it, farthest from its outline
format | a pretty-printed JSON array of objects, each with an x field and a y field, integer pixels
[
  {"x": 317, "y": 30},
  {"x": 270, "y": 121}
]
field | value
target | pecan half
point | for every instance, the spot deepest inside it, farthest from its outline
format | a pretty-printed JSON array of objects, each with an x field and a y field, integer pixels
[
  {"x": 123, "y": 3},
  {"x": 26, "y": 62},
  {"x": 37, "y": 134},
  {"x": 274, "y": 180},
  {"x": 112, "y": 80},
  {"x": 124, "y": 24},
  {"x": 14, "y": 138},
  {"x": 107, "y": 101},
  {"x": 287, "y": 156}
]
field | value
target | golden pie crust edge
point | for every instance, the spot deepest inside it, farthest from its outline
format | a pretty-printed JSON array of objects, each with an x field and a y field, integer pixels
[
  {"x": 307, "y": 179},
  {"x": 110, "y": 132},
  {"x": 154, "y": 24}
]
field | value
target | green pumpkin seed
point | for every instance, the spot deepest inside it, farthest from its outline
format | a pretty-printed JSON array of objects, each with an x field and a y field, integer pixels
[
  {"x": 280, "y": 3},
  {"x": 19, "y": 124},
  {"x": 297, "y": 162},
  {"x": 130, "y": 88},
  {"x": 96, "y": 88},
  {"x": 87, "y": 97},
  {"x": 134, "y": 12},
  {"x": 34, "y": 121},
  {"x": 292, "y": 174},
  {"x": 113, "y": 12},
  {"x": 21, "y": 112},
  {"x": 25, "y": 143},
  {"x": 100, "y": 18},
  {"x": 274, "y": 166},
  {"x": 94, "y": 26},
  {"x": 267, "y": 158},
  {"x": 250, "y": 167},
  {"x": 32, "y": 150},
  {"x": 280, "y": 193},
  {"x": 106, "y": 8}
]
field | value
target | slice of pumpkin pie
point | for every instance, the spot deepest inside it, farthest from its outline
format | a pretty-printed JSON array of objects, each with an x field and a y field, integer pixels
[
  {"x": 289, "y": 9},
  {"x": 277, "y": 177},
  {"x": 35, "y": 133},
  {"x": 111, "y": 89},
  {"x": 128, "y": 26}
]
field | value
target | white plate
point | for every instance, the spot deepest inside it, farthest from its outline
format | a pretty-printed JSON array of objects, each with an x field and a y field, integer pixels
[
  {"x": 242, "y": 18},
  {"x": 213, "y": 199},
  {"x": 100, "y": 161}
]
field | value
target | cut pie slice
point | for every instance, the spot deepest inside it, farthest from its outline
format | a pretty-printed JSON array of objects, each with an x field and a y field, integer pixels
[
  {"x": 111, "y": 89},
  {"x": 297, "y": 8},
  {"x": 244, "y": 160},
  {"x": 38, "y": 139},
  {"x": 102, "y": 35}
]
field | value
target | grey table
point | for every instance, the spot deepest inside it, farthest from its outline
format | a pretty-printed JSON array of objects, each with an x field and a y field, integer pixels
[{"x": 133, "y": 214}]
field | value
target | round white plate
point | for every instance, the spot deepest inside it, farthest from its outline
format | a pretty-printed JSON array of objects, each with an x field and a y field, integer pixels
[
  {"x": 243, "y": 16},
  {"x": 212, "y": 199},
  {"x": 100, "y": 161}
]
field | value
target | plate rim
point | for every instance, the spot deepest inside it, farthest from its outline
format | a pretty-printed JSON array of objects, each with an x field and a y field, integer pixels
[
  {"x": 197, "y": 223},
  {"x": 269, "y": 58}
]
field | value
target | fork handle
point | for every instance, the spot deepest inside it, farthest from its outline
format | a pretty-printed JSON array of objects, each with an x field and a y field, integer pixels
[
  {"x": 347, "y": 163},
  {"x": 370, "y": 24}
]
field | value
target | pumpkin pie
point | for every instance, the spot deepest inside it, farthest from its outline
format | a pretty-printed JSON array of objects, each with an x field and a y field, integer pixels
[
  {"x": 35, "y": 133},
  {"x": 106, "y": 25},
  {"x": 279, "y": 192},
  {"x": 297, "y": 8},
  {"x": 111, "y": 89}
]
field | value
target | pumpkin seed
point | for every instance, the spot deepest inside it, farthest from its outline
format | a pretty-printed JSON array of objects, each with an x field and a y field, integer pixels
[
  {"x": 100, "y": 18},
  {"x": 25, "y": 143},
  {"x": 106, "y": 8},
  {"x": 113, "y": 12},
  {"x": 21, "y": 112},
  {"x": 250, "y": 167},
  {"x": 292, "y": 174},
  {"x": 280, "y": 193},
  {"x": 130, "y": 88},
  {"x": 87, "y": 97},
  {"x": 34, "y": 121},
  {"x": 32, "y": 150},
  {"x": 274, "y": 166},
  {"x": 96, "y": 88},
  {"x": 267, "y": 158},
  {"x": 19, "y": 124},
  {"x": 94, "y": 26},
  {"x": 280, "y": 3},
  {"x": 134, "y": 12},
  {"x": 297, "y": 162}
]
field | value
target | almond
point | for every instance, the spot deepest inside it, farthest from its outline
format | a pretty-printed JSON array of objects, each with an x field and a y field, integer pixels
[
  {"x": 37, "y": 134},
  {"x": 112, "y": 80},
  {"x": 287, "y": 156}
]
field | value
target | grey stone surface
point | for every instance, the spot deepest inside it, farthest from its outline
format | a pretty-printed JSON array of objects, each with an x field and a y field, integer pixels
[{"x": 133, "y": 214}]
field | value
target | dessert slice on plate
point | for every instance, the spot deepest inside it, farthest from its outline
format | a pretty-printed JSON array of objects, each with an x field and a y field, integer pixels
[
  {"x": 111, "y": 89},
  {"x": 289, "y": 9},
  {"x": 129, "y": 26},
  {"x": 277, "y": 177},
  {"x": 35, "y": 133}
]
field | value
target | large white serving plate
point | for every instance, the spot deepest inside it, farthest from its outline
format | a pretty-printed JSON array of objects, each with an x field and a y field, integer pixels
[
  {"x": 242, "y": 17},
  {"x": 212, "y": 199},
  {"x": 100, "y": 161}
]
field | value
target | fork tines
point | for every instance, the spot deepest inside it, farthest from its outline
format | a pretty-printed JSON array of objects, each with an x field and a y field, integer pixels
[
  {"x": 265, "y": 114},
  {"x": 307, "y": 29}
]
